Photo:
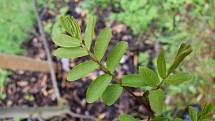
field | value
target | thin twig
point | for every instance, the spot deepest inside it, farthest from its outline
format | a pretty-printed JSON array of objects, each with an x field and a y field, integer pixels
[
  {"x": 39, "y": 112},
  {"x": 47, "y": 50},
  {"x": 75, "y": 115},
  {"x": 26, "y": 112}
]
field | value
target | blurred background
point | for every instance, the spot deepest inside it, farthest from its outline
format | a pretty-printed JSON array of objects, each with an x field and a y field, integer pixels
[{"x": 147, "y": 25}]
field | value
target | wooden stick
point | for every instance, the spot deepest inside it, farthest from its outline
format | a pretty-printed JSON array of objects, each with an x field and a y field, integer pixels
[
  {"x": 42, "y": 112},
  {"x": 14, "y": 62},
  {"x": 47, "y": 50}
]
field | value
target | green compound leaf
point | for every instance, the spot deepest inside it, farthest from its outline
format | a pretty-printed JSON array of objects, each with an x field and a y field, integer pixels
[
  {"x": 82, "y": 70},
  {"x": 115, "y": 55},
  {"x": 156, "y": 100},
  {"x": 64, "y": 40},
  {"x": 178, "y": 78},
  {"x": 133, "y": 80},
  {"x": 102, "y": 42},
  {"x": 125, "y": 117},
  {"x": 89, "y": 31},
  {"x": 97, "y": 87},
  {"x": 73, "y": 52},
  {"x": 149, "y": 76},
  {"x": 193, "y": 114},
  {"x": 111, "y": 94},
  {"x": 161, "y": 64},
  {"x": 184, "y": 50},
  {"x": 71, "y": 26}
]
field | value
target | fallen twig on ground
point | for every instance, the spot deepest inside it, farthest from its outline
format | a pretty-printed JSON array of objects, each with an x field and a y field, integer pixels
[
  {"x": 47, "y": 50},
  {"x": 41, "y": 112}
]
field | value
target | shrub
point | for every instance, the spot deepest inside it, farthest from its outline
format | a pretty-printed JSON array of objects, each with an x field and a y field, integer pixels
[
  {"x": 171, "y": 22},
  {"x": 107, "y": 86}
]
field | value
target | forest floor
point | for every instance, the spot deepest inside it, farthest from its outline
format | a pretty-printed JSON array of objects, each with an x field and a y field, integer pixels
[{"x": 25, "y": 88}]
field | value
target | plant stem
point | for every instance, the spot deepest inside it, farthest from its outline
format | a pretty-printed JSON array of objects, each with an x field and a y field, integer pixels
[{"x": 159, "y": 86}]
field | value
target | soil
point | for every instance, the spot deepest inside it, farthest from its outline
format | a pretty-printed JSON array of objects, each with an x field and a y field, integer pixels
[{"x": 35, "y": 89}]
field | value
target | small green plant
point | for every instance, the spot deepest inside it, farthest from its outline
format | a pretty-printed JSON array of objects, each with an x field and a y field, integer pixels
[
  {"x": 136, "y": 14},
  {"x": 90, "y": 4},
  {"x": 141, "y": 15},
  {"x": 3, "y": 76},
  {"x": 107, "y": 86},
  {"x": 16, "y": 21}
]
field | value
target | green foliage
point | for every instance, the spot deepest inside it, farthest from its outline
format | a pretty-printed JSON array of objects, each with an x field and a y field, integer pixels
[
  {"x": 159, "y": 118},
  {"x": 82, "y": 70},
  {"x": 111, "y": 94},
  {"x": 71, "y": 26},
  {"x": 64, "y": 40},
  {"x": 202, "y": 115},
  {"x": 102, "y": 42},
  {"x": 141, "y": 14},
  {"x": 193, "y": 114},
  {"x": 205, "y": 111},
  {"x": 16, "y": 22},
  {"x": 143, "y": 59},
  {"x": 89, "y": 32},
  {"x": 55, "y": 28},
  {"x": 125, "y": 117},
  {"x": 91, "y": 4},
  {"x": 193, "y": 28},
  {"x": 137, "y": 14},
  {"x": 178, "y": 78},
  {"x": 149, "y": 76},
  {"x": 156, "y": 100},
  {"x": 183, "y": 51},
  {"x": 17, "y": 19},
  {"x": 161, "y": 64},
  {"x": 3, "y": 76},
  {"x": 133, "y": 80},
  {"x": 72, "y": 47},
  {"x": 178, "y": 119},
  {"x": 97, "y": 87},
  {"x": 115, "y": 55},
  {"x": 167, "y": 21},
  {"x": 71, "y": 52},
  {"x": 109, "y": 91},
  {"x": 171, "y": 22}
]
